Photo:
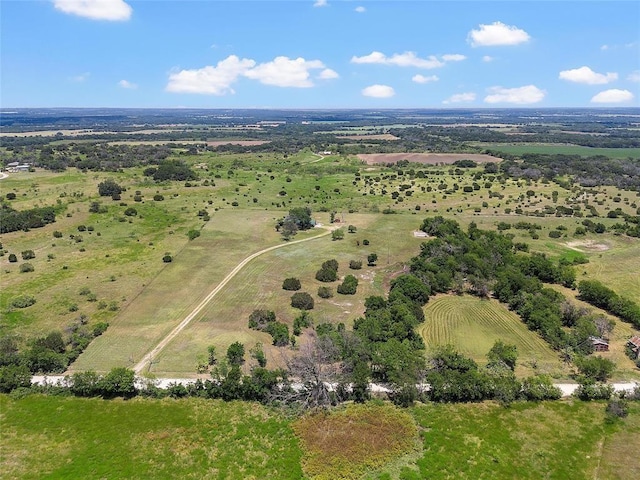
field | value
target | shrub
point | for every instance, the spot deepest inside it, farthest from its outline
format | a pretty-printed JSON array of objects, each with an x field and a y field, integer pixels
[
  {"x": 365, "y": 242},
  {"x": 291, "y": 284},
  {"x": 355, "y": 264},
  {"x": 193, "y": 234},
  {"x": 137, "y": 198},
  {"x": 235, "y": 353},
  {"x": 57, "y": 234},
  {"x": 82, "y": 228},
  {"x": 372, "y": 258},
  {"x": 302, "y": 300},
  {"x": 13, "y": 258},
  {"x": 594, "y": 391},
  {"x": 328, "y": 272},
  {"x": 26, "y": 267},
  {"x": 325, "y": 292},
  {"x": 348, "y": 286},
  {"x": 131, "y": 212},
  {"x": 167, "y": 258},
  {"x": 555, "y": 234},
  {"x": 158, "y": 198},
  {"x": 260, "y": 319},
  {"x": 109, "y": 188},
  {"x": 279, "y": 333},
  {"x": 28, "y": 254},
  {"x": 337, "y": 234},
  {"x": 23, "y": 301},
  {"x": 100, "y": 328}
]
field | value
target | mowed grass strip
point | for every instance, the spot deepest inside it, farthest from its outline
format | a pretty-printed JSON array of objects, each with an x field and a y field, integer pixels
[
  {"x": 472, "y": 325},
  {"x": 225, "y": 241},
  {"x": 54, "y": 437},
  {"x": 348, "y": 443}
]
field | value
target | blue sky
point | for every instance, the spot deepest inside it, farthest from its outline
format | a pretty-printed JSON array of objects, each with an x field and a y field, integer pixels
[{"x": 319, "y": 54}]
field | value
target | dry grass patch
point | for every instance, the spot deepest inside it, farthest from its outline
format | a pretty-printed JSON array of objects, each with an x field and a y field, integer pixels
[{"x": 348, "y": 443}]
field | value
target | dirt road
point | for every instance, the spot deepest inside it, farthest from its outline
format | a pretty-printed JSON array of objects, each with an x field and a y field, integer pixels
[{"x": 139, "y": 367}]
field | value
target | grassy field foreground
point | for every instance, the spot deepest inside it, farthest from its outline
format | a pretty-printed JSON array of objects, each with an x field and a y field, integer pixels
[{"x": 54, "y": 437}]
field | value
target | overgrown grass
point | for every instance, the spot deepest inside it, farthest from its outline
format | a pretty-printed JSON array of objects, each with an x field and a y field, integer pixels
[
  {"x": 53, "y": 437},
  {"x": 347, "y": 443},
  {"x": 564, "y": 150}
]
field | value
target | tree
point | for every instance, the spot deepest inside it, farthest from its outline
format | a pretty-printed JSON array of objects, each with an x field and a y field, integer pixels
[
  {"x": 372, "y": 258},
  {"x": 260, "y": 319},
  {"x": 193, "y": 234},
  {"x": 211, "y": 355},
  {"x": 502, "y": 353},
  {"x": 119, "y": 382},
  {"x": 291, "y": 284},
  {"x": 235, "y": 354},
  {"x": 352, "y": 229},
  {"x": 109, "y": 188},
  {"x": 337, "y": 234},
  {"x": 14, "y": 376},
  {"x": 301, "y": 216},
  {"x": 257, "y": 353},
  {"x": 325, "y": 292},
  {"x": 355, "y": 264},
  {"x": 302, "y": 300},
  {"x": 411, "y": 287},
  {"x": 595, "y": 368},
  {"x": 13, "y": 258},
  {"x": 288, "y": 229},
  {"x": 279, "y": 333},
  {"x": 348, "y": 286},
  {"x": 28, "y": 254}
]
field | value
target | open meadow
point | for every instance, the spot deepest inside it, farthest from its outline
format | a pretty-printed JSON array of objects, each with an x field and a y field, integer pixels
[{"x": 66, "y": 437}]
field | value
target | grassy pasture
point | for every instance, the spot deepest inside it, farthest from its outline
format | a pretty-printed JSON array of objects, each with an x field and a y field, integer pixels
[
  {"x": 472, "y": 325},
  {"x": 58, "y": 437},
  {"x": 259, "y": 285},
  {"x": 49, "y": 437},
  {"x": 552, "y": 148}
]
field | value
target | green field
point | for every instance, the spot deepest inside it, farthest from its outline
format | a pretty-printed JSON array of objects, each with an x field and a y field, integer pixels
[
  {"x": 517, "y": 149},
  {"x": 472, "y": 326},
  {"x": 67, "y": 437}
]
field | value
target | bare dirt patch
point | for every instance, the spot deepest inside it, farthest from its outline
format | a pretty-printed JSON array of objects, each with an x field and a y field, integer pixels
[
  {"x": 426, "y": 158},
  {"x": 588, "y": 245}
]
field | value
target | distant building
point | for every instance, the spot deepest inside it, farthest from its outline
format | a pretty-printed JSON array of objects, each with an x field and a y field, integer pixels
[
  {"x": 599, "y": 344},
  {"x": 634, "y": 345}
]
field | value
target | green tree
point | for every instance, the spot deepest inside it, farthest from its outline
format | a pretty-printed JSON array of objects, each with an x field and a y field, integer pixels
[
  {"x": 291, "y": 284},
  {"x": 302, "y": 300},
  {"x": 502, "y": 353},
  {"x": 337, "y": 234},
  {"x": 119, "y": 382},
  {"x": 372, "y": 258},
  {"x": 235, "y": 354},
  {"x": 109, "y": 188}
]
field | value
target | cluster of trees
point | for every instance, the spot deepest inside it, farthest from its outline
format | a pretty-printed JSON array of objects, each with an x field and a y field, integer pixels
[
  {"x": 587, "y": 171},
  {"x": 299, "y": 218},
  {"x": 14, "y": 220},
  {"x": 265, "y": 321},
  {"x": 170, "y": 170},
  {"x": 51, "y": 353},
  {"x": 328, "y": 271},
  {"x": 595, "y": 293}
]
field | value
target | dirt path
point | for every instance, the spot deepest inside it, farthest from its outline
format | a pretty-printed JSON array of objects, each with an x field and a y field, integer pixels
[{"x": 139, "y": 367}]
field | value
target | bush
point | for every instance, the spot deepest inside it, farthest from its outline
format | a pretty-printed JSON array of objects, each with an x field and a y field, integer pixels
[
  {"x": 260, "y": 319},
  {"x": 328, "y": 272},
  {"x": 279, "y": 333},
  {"x": 302, "y": 300},
  {"x": 325, "y": 292},
  {"x": 235, "y": 354},
  {"x": 372, "y": 258},
  {"x": 193, "y": 234},
  {"x": 26, "y": 267},
  {"x": 23, "y": 301},
  {"x": 131, "y": 212},
  {"x": 594, "y": 391},
  {"x": 291, "y": 284},
  {"x": 167, "y": 258},
  {"x": 57, "y": 234},
  {"x": 616, "y": 408},
  {"x": 13, "y": 258},
  {"x": 28, "y": 254},
  {"x": 355, "y": 264},
  {"x": 109, "y": 188},
  {"x": 555, "y": 234},
  {"x": 100, "y": 328},
  {"x": 365, "y": 242},
  {"x": 348, "y": 286},
  {"x": 158, "y": 198}
]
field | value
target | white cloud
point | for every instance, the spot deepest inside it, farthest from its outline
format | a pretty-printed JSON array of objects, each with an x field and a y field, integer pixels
[
  {"x": 81, "y": 78},
  {"x": 520, "y": 95},
  {"x": 604, "y": 47},
  {"x": 453, "y": 57},
  {"x": 360, "y": 9},
  {"x": 634, "y": 76},
  {"x": 320, "y": 3},
  {"x": 497, "y": 34},
  {"x": 378, "y": 91},
  {"x": 587, "y": 76},
  {"x": 210, "y": 80},
  {"x": 613, "y": 96},
  {"x": 407, "y": 59},
  {"x": 113, "y": 10},
  {"x": 127, "y": 84},
  {"x": 285, "y": 72},
  {"x": 328, "y": 74},
  {"x": 461, "y": 97},
  {"x": 488, "y": 58},
  {"x": 422, "y": 79}
]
